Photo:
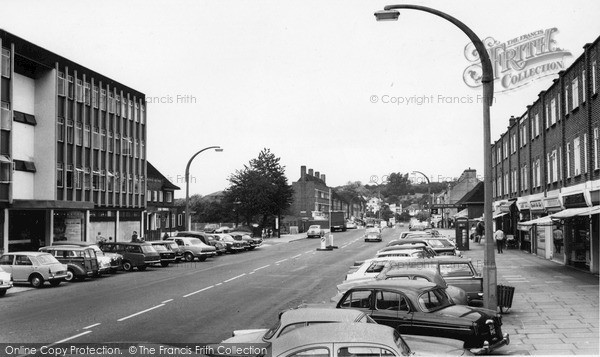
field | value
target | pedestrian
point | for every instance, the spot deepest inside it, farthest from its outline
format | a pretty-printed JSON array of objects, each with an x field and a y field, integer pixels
[
  {"x": 557, "y": 237},
  {"x": 134, "y": 237},
  {"x": 165, "y": 236},
  {"x": 499, "y": 238},
  {"x": 100, "y": 238},
  {"x": 480, "y": 231},
  {"x": 473, "y": 232}
]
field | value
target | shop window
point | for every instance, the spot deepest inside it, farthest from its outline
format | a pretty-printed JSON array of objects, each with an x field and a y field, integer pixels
[{"x": 5, "y": 63}]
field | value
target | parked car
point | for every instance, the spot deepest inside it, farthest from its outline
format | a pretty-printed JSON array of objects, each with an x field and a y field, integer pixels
[
  {"x": 373, "y": 235},
  {"x": 108, "y": 262},
  {"x": 459, "y": 272},
  {"x": 215, "y": 241},
  {"x": 206, "y": 238},
  {"x": 315, "y": 231},
  {"x": 232, "y": 245},
  {"x": 442, "y": 246},
  {"x": 6, "y": 281},
  {"x": 351, "y": 339},
  {"x": 34, "y": 268},
  {"x": 193, "y": 248},
  {"x": 410, "y": 251},
  {"x": 370, "y": 268},
  {"x": 165, "y": 251},
  {"x": 81, "y": 261},
  {"x": 423, "y": 308},
  {"x": 351, "y": 225},
  {"x": 135, "y": 254},
  {"x": 293, "y": 319},
  {"x": 252, "y": 242}
]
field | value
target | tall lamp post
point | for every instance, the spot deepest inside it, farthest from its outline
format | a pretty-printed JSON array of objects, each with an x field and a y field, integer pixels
[
  {"x": 428, "y": 192},
  {"x": 187, "y": 184},
  {"x": 489, "y": 267}
]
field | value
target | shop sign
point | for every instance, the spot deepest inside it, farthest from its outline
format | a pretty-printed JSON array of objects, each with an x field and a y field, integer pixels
[
  {"x": 505, "y": 207},
  {"x": 551, "y": 202},
  {"x": 523, "y": 205},
  {"x": 536, "y": 205},
  {"x": 576, "y": 200}
]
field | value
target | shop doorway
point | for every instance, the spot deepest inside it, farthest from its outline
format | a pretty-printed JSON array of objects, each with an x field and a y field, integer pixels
[{"x": 26, "y": 230}]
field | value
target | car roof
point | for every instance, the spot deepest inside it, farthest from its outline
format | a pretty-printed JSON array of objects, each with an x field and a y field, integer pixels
[
  {"x": 184, "y": 233},
  {"x": 414, "y": 286},
  {"x": 127, "y": 243},
  {"x": 415, "y": 246},
  {"x": 69, "y": 242},
  {"x": 162, "y": 242},
  {"x": 428, "y": 273},
  {"x": 34, "y": 254},
  {"x": 319, "y": 314},
  {"x": 64, "y": 247},
  {"x": 335, "y": 333}
]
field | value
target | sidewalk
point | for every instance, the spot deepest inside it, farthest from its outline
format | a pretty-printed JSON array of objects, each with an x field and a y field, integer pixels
[
  {"x": 285, "y": 238},
  {"x": 555, "y": 307}
]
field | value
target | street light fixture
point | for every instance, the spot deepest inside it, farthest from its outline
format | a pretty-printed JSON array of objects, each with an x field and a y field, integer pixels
[
  {"x": 187, "y": 184},
  {"x": 390, "y": 13}
]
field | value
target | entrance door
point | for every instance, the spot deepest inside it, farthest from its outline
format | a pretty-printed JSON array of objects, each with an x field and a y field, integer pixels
[{"x": 26, "y": 230}]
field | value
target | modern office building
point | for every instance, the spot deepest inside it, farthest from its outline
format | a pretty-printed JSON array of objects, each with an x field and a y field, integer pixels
[
  {"x": 546, "y": 169},
  {"x": 72, "y": 151}
]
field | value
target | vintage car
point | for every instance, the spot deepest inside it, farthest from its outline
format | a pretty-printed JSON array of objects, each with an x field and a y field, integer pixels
[
  {"x": 108, "y": 262},
  {"x": 135, "y": 254},
  {"x": 416, "y": 250},
  {"x": 352, "y": 339},
  {"x": 370, "y": 268},
  {"x": 458, "y": 272},
  {"x": 441, "y": 246},
  {"x": 351, "y": 225},
  {"x": 372, "y": 235},
  {"x": 232, "y": 245},
  {"x": 193, "y": 248},
  {"x": 252, "y": 242},
  {"x": 81, "y": 261},
  {"x": 423, "y": 308},
  {"x": 165, "y": 251},
  {"x": 315, "y": 231},
  {"x": 6, "y": 282},
  {"x": 34, "y": 268},
  {"x": 206, "y": 238},
  {"x": 293, "y": 319}
]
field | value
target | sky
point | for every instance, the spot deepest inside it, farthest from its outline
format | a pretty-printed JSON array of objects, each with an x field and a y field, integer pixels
[{"x": 319, "y": 83}]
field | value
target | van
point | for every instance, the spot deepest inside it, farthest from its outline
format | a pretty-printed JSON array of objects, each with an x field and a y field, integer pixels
[{"x": 135, "y": 254}]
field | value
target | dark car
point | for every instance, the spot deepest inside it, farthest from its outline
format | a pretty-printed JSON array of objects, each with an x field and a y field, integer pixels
[
  {"x": 166, "y": 252},
  {"x": 233, "y": 245},
  {"x": 109, "y": 262},
  {"x": 423, "y": 308},
  {"x": 252, "y": 242},
  {"x": 206, "y": 238},
  {"x": 81, "y": 262},
  {"x": 135, "y": 254}
]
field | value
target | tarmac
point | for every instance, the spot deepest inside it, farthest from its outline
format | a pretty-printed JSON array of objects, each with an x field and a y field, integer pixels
[{"x": 555, "y": 307}]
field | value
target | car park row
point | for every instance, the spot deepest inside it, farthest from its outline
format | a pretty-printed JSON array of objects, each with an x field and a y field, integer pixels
[{"x": 76, "y": 260}]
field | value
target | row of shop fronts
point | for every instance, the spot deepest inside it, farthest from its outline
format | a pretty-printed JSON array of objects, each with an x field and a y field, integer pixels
[
  {"x": 30, "y": 229},
  {"x": 561, "y": 225}
]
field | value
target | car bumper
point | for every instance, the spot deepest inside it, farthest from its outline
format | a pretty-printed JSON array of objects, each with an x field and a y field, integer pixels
[
  {"x": 154, "y": 261},
  {"x": 372, "y": 239},
  {"x": 487, "y": 348}
]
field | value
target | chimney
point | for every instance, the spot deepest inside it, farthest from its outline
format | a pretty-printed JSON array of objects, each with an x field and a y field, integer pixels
[
  {"x": 317, "y": 175},
  {"x": 323, "y": 178},
  {"x": 511, "y": 121},
  {"x": 310, "y": 172},
  {"x": 302, "y": 172}
]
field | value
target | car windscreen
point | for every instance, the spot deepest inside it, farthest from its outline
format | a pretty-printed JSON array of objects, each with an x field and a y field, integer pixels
[
  {"x": 269, "y": 334},
  {"x": 195, "y": 241},
  {"x": 402, "y": 346},
  {"x": 148, "y": 249},
  {"x": 376, "y": 267},
  {"x": 160, "y": 248},
  {"x": 433, "y": 300},
  {"x": 45, "y": 259}
]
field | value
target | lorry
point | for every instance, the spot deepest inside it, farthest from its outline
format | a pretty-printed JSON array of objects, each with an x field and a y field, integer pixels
[{"x": 338, "y": 220}]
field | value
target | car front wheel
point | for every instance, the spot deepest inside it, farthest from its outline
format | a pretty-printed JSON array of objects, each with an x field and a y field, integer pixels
[
  {"x": 3, "y": 292},
  {"x": 36, "y": 281},
  {"x": 70, "y": 275},
  {"x": 127, "y": 266},
  {"x": 189, "y": 257}
]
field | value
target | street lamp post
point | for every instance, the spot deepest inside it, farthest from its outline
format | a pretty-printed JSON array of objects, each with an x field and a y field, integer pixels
[
  {"x": 489, "y": 266},
  {"x": 187, "y": 184}
]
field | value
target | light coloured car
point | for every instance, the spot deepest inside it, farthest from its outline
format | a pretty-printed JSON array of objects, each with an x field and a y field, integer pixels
[
  {"x": 5, "y": 282},
  {"x": 193, "y": 248},
  {"x": 315, "y": 231},
  {"x": 293, "y": 319},
  {"x": 373, "y": 235},
  {"x": 346, "y": 339},
  {"x": 351, "y": 225},
  {"x": 370, "y": 268},
  {"x": 34, "y": 268},
  {"x": 231, "y": 245}
]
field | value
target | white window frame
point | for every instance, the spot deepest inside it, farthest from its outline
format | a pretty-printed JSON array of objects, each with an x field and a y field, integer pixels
[
  {"x": 596, "y": 147},
  {"x": 513, "y": 143},
  {"x": 505, "y": 148},
  {"x": 583, "y": 88},
  {"x": 585, "y": 153},
  {"x": 553, "y": 111},
  {"x": 568, "y": 164},
  {"x": 575, "y": 93},
  {"x": 5, "y": 63},
  {"x": 547, "y": 116},
  {"x": 594, "y": 84},
  {"x": 576, "y": 157}
]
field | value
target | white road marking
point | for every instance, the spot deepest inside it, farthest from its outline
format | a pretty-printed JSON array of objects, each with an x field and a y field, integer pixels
[
  {"x": 199, "y": 291},
  {"x": 308, "y": 251},
  {"x": 235, "y": 277},
  {"x": 90, "y": 326},
  {"x": 252, "y": 272},
  {"x": 166, "y": 301},
  {"x": 70, "y": 338},
  {"x": 218, "y": 284},
  {"x": 553, "y": 282},
  {"x": 266, "y": 266},
  {"x": 281, "y": 261},
  {"x": 139, "y": 313},
  {"x": 295, "y": 256}
]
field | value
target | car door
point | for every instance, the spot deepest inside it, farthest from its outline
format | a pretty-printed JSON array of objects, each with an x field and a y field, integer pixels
[
  {"x": 430, "y": 322},
  {"x": 392, "y": 309},
  {"x": 462, "y": 275},
  {"x": 359, "y": 299},
  {"x": 22, "y": 268},
  {"x": 7, "y": 261}
]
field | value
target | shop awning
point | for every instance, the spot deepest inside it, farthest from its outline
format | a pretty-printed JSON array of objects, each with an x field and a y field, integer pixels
[
  {"x": 500, "y": 215},
  {"x": 542, "y": 221},
  {"x": 572, "y": 212},
  {"x": 462, "y": 214}
]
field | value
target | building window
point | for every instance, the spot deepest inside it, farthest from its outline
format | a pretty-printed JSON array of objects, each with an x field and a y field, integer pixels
[
  {"x": 537, "y": 125},
  {"x": 513, "y": 143},
  {"x": 142, "y": 150},
  {"x": 59, "y": 175},
  {"x": 117, "y": 182},
  {"x": 169, "y": 196},
  {"x": 594, "y": 83},
  {"x": 524, "y": 178},
  {"x": 568, "y": 163},
  {"x": 160, "y": 196},
  {"x": 180, "y": 219},
  {"x": 576, "y": 157},
  {"x": 95, "y": 97},
  {"x": 136, "y": 115},
  {"x": 124, "y": 107},
  {"x": 5, "y": 172},
  {"x": 111, "y": 102},
  {"x": 60, "y": 129},
  {"x": 61, "y": 84},
  {"x": 553, "y": 111},
  {"x": 102, "y": 99},
  {"x": 86, "y": 93},
  {"x": 5, "y": 118},
  {"x": 596, "y": 148},
  {"x": 505, "y": 191},
  {"x": 142, "y": 114},
  {"x": 111, "y": 143},
  {"x": 103, "y": 139},
  {"x": 585, "y": 153},
  {"x": 554, "y": 162},
  {"x": 583, "y": 87},
  {"x": 505, "y": 149},
  {"x": 78, "y": 134},
  {"x": 87, "y": 136},
  {"x": 567, "y": 97},
  {"x": 5, "y": 63},
  {"x": 575, "y": 92},
  {"x": 71, "y": 88},
  {"x": 79, "y": 91},
  {"x": 537, "y": 173},
  {"x": 70, "y": 132},
  {"x": 547, "y": 116},
  {"x": 96, "y": 139},
  {"x": 102, "y": 180}
]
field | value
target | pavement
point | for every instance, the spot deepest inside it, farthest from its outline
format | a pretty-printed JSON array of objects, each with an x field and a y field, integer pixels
[{"x": 555, "y": 307}]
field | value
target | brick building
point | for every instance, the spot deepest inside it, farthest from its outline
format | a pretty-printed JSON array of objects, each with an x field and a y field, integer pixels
[
  {"x": 72, "y": 150},
  {"x": 161, "y": 214},
  {"x": 546, "y": 169}
]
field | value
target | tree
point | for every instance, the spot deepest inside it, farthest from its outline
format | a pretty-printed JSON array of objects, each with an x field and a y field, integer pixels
[{"x": 260, "y": 190}]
